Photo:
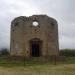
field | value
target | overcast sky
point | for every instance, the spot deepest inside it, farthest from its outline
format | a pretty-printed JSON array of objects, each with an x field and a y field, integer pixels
[{"x": 62, "y": 10}]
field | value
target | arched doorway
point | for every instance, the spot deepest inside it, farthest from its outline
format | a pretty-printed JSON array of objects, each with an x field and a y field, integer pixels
[{"x": 35, "y": 47}]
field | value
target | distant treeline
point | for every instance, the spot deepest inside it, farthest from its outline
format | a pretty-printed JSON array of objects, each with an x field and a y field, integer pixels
[
  {"x": 4, "y": 51},
  {"x": 67, "y": 52}
]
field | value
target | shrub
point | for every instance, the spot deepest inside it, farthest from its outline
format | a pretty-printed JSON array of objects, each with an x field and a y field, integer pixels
[
  {"x": 67, "y": 52},
  {"x": 4, "y": 51}
]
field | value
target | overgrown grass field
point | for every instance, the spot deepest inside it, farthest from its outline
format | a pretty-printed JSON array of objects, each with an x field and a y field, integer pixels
[{"x": 65, "y": 67}]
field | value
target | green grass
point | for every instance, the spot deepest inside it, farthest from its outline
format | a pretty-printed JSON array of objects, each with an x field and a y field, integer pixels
[
  {"x": 63, "y": 69},
  {"x": 33, "y": 67},
  {"x": 13, "y": 63}
]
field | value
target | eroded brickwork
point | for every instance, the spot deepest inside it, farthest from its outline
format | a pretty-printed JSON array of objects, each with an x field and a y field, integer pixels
[{"x": 23, "y": 31}]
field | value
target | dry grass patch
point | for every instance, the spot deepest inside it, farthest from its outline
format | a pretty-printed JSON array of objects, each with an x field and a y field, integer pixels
[{"x": 62, "y": 69}]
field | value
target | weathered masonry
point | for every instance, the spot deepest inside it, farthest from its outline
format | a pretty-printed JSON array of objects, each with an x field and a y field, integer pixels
[{"x": 34, "y": 36}]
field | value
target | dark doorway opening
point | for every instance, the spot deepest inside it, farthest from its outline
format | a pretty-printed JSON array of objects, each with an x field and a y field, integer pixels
[
  {"x": 35, "y": 47},
  {"x": 35, "y": 50}
]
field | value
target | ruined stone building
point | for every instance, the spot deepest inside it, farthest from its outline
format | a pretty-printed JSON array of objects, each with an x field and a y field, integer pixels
[{"x": 34, "y": 36}]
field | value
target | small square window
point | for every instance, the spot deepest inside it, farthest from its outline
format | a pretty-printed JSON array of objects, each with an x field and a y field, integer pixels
[
  {"x": 52, "y": 23},
  {"x": 16, "y": 24},
  {"x": 13, "y": 30}
]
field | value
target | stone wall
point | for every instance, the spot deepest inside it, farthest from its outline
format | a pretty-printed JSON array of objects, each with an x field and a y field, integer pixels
[{"x": 22, "y": 31}]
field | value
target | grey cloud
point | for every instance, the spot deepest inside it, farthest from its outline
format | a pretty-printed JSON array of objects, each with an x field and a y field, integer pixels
[{"x": 62, "y": 10}]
